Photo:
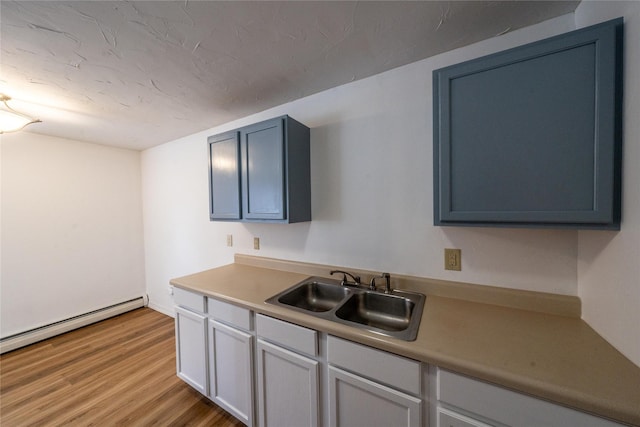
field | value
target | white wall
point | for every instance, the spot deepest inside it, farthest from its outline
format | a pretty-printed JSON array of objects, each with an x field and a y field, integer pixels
[
  {"x": 609, "y": 262},
  {"x": 371, "y": 166},
  {"x": 71, "y": 229}
]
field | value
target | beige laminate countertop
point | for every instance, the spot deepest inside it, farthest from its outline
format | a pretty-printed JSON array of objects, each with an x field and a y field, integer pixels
[{"x": 557, "y": 358}]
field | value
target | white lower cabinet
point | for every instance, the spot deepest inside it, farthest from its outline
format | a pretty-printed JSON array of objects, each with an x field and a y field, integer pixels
[
  {"x": 278, "y": 374},
  {"x": 191, "y": 348},
  {"x": 288, "y": 374},
  {"x": 288, "y": 392},
  {"x": 356, "y": 401},
  {"x": 370, "y": 387},
  {"x": 231, "y": 370}
]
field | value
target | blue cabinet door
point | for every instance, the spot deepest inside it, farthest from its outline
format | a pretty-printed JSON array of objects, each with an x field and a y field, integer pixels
[
  {"x": 224, "y": 176},
  {"x": 531, "y": 137},
  {"x": 263, "y": 171}
]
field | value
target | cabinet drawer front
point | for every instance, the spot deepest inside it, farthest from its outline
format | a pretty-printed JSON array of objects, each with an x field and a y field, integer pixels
[
  {"x": 239, "y": 317},
  {"x": 191, "y": 300},
  {"x": 508, "y": 407},
  {"x": 447, "y": 418},
  {"x": 292, "y": 336},
  {"x": 396, "y": 371}
]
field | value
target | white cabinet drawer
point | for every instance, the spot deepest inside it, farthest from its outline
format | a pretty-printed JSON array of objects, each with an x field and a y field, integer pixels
[
  {"x": 508, "y": 407},
  {"x": 387, "y": 368},
  {"x": 288, "y": 335},
  {"x": 447, "y": 418},
  {"x": 190, "y": 300},
  {"x": 233, "y": 315}
]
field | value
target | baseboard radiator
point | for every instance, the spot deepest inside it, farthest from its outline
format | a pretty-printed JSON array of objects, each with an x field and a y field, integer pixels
[{"x": 22, "y": 339}]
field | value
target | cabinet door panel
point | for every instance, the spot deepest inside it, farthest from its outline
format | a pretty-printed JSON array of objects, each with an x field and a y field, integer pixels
[
  {"x": 231, "y": 370},
  {"x": 288, "y": 393},
  {"x": 191, "y": 348},
  {"x": 355, "y": 401},
  {"x": 224, "y": 176},
  {"x": 530, "y": 137},
  {"x": 263, "y": 171}
]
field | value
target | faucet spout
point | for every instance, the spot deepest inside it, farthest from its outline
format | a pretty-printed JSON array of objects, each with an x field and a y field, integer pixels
[{"x": 387, "y": 287}]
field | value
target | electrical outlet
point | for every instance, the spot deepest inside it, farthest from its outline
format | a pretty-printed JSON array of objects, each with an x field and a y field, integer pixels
[
  {"x": 229, "y": 239},
  {"x": 453, "y": 259},
  {"x": 256, "y": 243}
]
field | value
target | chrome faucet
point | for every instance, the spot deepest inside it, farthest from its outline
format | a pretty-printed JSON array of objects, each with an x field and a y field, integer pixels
[
  {"x": 387, "y": 287},
  {"x": 345, "y": 282}
]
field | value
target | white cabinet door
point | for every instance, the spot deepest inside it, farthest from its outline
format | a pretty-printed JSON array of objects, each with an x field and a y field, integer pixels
[
  {"x": 287, "y": 388},
  {"x": 231, "y": 370},
  {"x": 355, "y": 401},
  {"x": 191, "y": 348}
]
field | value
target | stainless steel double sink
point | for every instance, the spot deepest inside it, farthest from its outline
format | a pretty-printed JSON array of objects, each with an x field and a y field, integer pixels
[{"x": 396, "y": 314}]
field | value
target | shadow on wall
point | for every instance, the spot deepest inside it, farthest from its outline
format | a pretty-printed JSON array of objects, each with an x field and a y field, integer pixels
[
  {"x": 598, "y": 241},
  {"x": 281, "y": 238},
  {"x": 326, "y": 173},
  {"x": 551, "y": 244},
  {"x": 350, "y": 160},
  {"x": 353, "y": 199}
]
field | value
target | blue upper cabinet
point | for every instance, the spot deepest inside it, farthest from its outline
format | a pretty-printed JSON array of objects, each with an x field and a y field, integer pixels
[
  {"x": 224, "y": 176},
  {"x": 273, "y": 173},
  {"x": 531, "y": 137}
]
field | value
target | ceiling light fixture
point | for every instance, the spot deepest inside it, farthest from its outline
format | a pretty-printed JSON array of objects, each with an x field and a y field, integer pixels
[{"x": 10, "y": 119}]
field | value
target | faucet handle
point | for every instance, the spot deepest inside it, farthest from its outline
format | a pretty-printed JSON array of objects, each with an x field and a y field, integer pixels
[{"x": 356, "y": 279}]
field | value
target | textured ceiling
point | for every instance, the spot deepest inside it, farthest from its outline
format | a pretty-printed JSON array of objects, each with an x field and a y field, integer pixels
[{"x": 140, "y": 73}]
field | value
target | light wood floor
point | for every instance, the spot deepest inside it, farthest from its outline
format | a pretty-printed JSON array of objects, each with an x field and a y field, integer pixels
[{"x": 121, "y": 371}]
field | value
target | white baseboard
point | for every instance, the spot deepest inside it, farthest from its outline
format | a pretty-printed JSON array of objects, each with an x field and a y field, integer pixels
[
  {"x": 29, "y": 337},
  {"x": 164, "y": 310}
]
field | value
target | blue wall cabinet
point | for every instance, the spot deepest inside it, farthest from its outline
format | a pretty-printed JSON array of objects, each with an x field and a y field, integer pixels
[
  {"x": 531, "y": 137},
  {"x": 271, "y": 170},
  {"x": 224, "y": 176}
]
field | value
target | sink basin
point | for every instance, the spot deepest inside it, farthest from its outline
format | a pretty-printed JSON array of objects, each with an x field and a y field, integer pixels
[
  {"x": 396, "y": 315},
  {"x": 382, "y": 311},
  {"x": 314, "y": 296}
]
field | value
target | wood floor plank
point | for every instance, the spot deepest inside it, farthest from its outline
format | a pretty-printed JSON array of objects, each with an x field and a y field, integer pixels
[{"x": 120, "y": 371}]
